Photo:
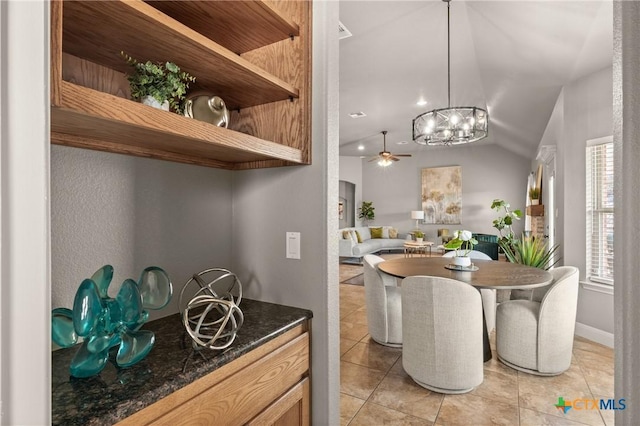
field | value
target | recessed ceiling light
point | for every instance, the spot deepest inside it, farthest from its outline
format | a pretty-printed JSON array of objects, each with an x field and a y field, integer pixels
[
  {"x": 421, "y": 102},
  {"x": 402, "y": 143},
  {"x": 361, "y": 147},
  {"x": 358, "y": 114}
]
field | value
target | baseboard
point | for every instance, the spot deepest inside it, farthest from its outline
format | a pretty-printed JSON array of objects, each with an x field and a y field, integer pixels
[{"x": 594, "y": 334}]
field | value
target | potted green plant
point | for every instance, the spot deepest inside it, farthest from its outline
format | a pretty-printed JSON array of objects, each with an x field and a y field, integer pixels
[
  {"x": 462, "y": 243},
  {"x": 419, "y": 236},
  {"x": 504, "y": 223},
  {"x": 532, "y": 252},
  {"x": 162, "y": 85},
  {"x": 366, "y": 211},
  {"x": 534, "y": 196}
]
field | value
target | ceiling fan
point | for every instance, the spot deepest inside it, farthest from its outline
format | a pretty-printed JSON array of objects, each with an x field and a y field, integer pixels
[{"x": 384, "y": 157}]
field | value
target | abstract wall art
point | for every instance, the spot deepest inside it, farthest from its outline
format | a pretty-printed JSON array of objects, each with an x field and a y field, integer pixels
[{"x": 442, "y": 195}]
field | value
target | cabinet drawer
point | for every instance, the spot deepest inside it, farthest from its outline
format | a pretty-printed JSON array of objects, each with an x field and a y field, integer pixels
[{"x": 291, "y": 409}]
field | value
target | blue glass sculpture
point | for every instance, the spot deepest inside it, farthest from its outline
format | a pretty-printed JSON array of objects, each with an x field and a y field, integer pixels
[{"x": 105, "y": 322}]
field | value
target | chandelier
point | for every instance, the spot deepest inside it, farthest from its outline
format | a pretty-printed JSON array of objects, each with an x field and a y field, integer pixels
[{"x": 451, "y": 125}]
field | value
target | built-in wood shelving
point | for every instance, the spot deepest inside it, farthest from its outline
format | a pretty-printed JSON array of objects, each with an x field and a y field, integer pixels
[
  {"x": 220, "y": 20},
  {"x": 92, "y": 33},
  {"x": 98, "y": 31}
]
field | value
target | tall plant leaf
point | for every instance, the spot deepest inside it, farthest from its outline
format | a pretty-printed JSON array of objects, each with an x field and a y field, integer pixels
[{"x": 530, "y": 251}]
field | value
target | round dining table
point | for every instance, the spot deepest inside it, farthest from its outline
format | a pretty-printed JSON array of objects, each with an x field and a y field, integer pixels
[{"x": 490, "y": 274}]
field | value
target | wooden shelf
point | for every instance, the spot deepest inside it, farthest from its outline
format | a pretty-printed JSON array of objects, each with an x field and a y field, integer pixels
[
  {"x": 220, "y": 21},
  {"x": 87, "y": 118},
  {"x": 535, "y": 210},
  {"x": 267, "y": 89},
  {"x": 99, "y": 30}
]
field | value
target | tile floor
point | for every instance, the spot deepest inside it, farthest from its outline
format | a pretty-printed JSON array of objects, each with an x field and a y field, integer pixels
[{"x": 375, "y": 390}]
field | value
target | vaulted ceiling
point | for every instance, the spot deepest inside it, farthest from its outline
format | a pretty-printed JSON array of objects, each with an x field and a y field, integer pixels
[{"x": 509, "y": 57}]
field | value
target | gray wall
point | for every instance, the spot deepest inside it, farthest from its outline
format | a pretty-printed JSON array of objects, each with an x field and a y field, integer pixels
[
  {"x": 626, "y": 87},
  {"x": 488, "y": 172},
  {"x": 131, "y": 213},
  {"x": 269, "y": 202},
  {"x": 584, "y": 111}
]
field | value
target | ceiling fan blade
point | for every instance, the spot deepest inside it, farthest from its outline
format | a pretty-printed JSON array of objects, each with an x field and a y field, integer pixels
[
  {"x": 393, "y": 157},
  {"x": 402, "y": 155}
]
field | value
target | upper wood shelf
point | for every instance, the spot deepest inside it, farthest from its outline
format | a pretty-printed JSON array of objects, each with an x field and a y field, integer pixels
[
  {"x": 220, "y": 20},
  {"x": 99, "y": 30}
]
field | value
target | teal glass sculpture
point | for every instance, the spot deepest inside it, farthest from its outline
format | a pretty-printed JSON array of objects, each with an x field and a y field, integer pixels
[{"x": 104, "y": 322}]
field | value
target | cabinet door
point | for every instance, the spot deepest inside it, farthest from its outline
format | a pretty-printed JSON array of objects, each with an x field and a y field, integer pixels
[{"x": 291, "y": 409}]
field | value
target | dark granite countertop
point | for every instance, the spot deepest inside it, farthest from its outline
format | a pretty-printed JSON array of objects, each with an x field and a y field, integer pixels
[{"x": 116, "y": 393}]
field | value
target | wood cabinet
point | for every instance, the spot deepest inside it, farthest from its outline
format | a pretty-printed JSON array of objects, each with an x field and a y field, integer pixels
[
  {"x": 267, "y": 386},
  {"x": 254, "y": 54}
]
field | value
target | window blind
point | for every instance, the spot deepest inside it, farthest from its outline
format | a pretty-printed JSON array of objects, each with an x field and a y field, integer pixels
[{"x": 600, "y": 210}]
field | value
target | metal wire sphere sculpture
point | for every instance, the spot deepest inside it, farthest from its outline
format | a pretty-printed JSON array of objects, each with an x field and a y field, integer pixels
[{"x": 212, "y": 316}]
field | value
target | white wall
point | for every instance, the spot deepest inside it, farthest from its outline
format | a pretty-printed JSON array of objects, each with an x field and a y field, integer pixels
[
  {"x": 267, "y": 203},
  {"x": 351, "y": 171},
  {"x": 488, "y": 172},
  {"x": 584, "y": 111},
  {"x": 132, "y": 213},
  {"x": 25, "y": 322}
]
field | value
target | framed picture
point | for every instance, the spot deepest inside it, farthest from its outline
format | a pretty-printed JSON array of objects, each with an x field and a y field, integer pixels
[{"x": 442, "y": 195}]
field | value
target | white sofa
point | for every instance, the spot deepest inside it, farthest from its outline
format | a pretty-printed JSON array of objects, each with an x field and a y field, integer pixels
[{"x": 350, "y": 247}]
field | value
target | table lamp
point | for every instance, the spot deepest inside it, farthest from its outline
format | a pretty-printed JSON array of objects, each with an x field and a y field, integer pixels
[{"x": 417, "y": 215}]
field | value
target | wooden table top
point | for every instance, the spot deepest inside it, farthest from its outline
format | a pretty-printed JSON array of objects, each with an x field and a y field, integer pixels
[{"x": 490, "y": 273}]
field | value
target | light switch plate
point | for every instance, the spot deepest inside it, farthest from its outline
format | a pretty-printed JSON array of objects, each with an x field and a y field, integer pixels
[{"x": 293, "y": 245}]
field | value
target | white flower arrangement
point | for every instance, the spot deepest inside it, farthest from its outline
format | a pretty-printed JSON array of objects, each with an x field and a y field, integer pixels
[{"x": 462, "y": 243}]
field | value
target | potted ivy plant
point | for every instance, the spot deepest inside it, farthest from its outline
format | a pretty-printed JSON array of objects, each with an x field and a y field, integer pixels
[
  {"x": 419, "y": 236},
  {"x": 367, "y": 211},
  {"x": 161, "y": 85}
]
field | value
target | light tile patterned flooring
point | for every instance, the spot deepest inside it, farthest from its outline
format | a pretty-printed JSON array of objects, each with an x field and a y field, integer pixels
[{"x": 375, "y": 390}]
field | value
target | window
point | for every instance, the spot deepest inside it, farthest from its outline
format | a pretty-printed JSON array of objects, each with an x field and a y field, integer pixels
[{"x": 600, "y": 210}]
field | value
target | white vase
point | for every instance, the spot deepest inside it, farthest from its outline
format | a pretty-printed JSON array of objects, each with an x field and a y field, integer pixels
[
  {"x": 151, "y": 101},
  {"x": 462, "y": 261},
  {"x": 419, "y": 240}
]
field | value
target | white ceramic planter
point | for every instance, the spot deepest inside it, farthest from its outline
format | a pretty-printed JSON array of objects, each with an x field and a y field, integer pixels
[
  {"x": 462, "y": 261},
  {"x": 419, "y": 240},
  {"x": 151, "y": 101}
]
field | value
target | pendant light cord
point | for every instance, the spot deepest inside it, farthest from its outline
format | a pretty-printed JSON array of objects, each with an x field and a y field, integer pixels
[{"x": 448, "y": 53}]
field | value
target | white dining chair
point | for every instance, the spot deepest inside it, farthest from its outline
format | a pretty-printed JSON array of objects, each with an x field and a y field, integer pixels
[
  {"x": 384, "y": 312},
  {"x": 488, "y": 295},
  {"x": 442, "y": 334},
  {"x": 536, "y": 336}
]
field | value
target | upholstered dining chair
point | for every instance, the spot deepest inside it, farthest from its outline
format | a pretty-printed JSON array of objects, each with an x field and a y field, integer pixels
[
  {"x": 384, "y": 312},
  {"x": 442, "y": 334},
  {"x": 488, "y": 295},
  {"x": 536, "y": 336}
]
